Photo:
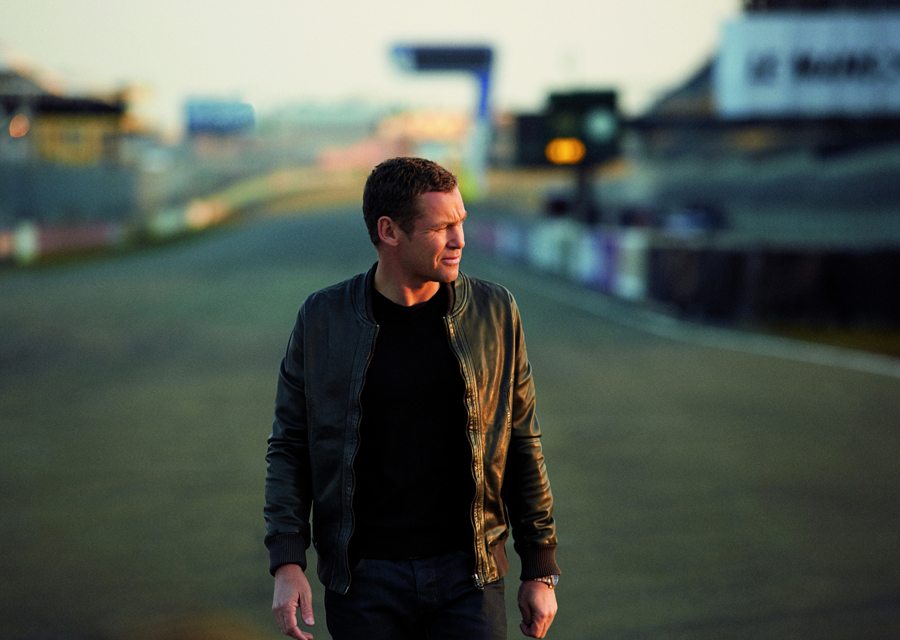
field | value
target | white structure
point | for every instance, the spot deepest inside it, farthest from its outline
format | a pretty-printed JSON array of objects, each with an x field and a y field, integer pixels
[{"x": 795, "y": 64}]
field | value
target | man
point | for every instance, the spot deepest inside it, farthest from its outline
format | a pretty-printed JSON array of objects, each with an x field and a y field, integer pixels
[{"x": 404, "y": 421}]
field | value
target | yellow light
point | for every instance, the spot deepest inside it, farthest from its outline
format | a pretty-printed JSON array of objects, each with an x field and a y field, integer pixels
[
  {"x": 7, "y": 244},
  {"x": 18, "y": 126},
  {"x": 565, "y": 151}
]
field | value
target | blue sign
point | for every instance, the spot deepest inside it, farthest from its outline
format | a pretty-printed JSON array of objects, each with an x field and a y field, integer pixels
[{"x": 219, "y": 116}]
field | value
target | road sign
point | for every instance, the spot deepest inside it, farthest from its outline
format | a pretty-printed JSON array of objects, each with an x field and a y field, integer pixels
[{"x": 475, "y": 60}]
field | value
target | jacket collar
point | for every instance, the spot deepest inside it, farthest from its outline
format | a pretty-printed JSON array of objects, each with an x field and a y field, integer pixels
[{"x": 456, "y": 293}]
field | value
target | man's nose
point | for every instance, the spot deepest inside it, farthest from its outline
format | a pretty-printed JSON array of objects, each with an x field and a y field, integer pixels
[{"x": 457, "y": 238}]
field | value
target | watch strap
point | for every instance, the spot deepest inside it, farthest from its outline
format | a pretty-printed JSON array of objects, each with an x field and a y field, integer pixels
[{"x": 550, "y": 581}]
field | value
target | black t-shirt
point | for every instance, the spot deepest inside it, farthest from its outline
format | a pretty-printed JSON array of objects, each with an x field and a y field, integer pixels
[{"x": 414, "y": 486}]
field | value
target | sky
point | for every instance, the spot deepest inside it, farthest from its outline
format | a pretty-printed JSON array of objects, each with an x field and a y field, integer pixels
[{"x": 276, "y": 52}]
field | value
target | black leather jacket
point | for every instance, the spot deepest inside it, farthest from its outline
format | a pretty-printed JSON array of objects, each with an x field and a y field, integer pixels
[{"x": 316, "y": 430}]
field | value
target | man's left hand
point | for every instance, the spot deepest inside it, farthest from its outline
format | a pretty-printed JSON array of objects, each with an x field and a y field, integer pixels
[{"x": 537, "y": 602}]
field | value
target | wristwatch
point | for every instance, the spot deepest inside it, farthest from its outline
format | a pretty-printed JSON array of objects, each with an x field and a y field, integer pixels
[{"x": 550, "y": 581}]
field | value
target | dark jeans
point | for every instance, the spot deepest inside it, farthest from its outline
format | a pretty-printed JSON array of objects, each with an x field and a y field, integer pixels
[{"x": 421, "y": 599}]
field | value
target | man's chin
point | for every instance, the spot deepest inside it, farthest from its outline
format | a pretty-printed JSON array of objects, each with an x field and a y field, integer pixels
[{"x": 446, "y": 275}]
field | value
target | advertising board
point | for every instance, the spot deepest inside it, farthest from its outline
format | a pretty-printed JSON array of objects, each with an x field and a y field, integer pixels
[{"x": 817, "y": 65}]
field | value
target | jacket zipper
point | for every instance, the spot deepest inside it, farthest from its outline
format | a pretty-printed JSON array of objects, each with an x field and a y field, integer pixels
[
  {"x": 477, "y": 578},
  {"x": 353, "y": 460}
]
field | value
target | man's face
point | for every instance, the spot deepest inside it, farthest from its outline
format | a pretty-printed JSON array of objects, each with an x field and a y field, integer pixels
[{"x": 432, "y": 251}]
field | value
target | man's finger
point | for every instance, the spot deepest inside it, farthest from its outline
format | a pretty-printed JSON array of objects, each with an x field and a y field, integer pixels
[
  {"x": 526, "y": 613},
  {"x": 533, "y": 630},
  {"x": 306, "y": 613},
  {"x": 287, "y": 623},
  {"x": 288, "y": 626},
  {"x": 536, "y": 626}
]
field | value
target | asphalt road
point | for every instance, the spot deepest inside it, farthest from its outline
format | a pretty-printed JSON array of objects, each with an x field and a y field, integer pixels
[{"x": 705, "y": 489}]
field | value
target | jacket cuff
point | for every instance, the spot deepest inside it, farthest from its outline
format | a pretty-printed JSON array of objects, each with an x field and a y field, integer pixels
[
  {"x": 286, "y": 548},
  {"x": 538, "y": 562}
]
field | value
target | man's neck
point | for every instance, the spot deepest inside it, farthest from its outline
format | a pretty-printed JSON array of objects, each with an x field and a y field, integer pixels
[{"x": 403, "y": 293}]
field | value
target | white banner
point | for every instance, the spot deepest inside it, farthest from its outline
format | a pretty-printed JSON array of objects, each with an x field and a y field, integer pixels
[{"x": 810, "y": 65}]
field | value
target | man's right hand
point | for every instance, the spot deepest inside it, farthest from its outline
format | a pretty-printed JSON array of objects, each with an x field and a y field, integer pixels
[{"x": 292, "y": 591}]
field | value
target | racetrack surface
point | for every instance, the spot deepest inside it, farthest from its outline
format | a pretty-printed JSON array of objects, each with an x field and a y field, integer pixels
[{"x": 705, "y": 488}]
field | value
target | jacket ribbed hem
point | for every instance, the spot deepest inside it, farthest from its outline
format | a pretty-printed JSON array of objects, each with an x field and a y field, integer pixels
[
  {"x": 538, "y": 562},
  {"x": 500, "y": 559},
  {"x": 286, "y": 548}
]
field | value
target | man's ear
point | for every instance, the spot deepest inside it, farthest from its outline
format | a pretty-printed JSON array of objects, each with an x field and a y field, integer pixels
[{"x": 388, "y": 231}]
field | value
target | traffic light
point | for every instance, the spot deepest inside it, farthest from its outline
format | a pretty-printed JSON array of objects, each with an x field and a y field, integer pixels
[{"x": 582, "y": 127}]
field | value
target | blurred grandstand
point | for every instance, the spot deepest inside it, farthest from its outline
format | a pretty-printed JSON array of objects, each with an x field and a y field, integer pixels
[{"x": 64, "y": 161}]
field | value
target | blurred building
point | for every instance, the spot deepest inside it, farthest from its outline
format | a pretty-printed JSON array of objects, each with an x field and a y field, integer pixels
[
  {"x": 63, "y": 159},
  {"x": 799, "y": 108},
  {"x": 816, "y": 78},
  {"x": 297, "y": 134},
  {"x": 790, "y": 134},
  {"x": 357, "y": 135}
]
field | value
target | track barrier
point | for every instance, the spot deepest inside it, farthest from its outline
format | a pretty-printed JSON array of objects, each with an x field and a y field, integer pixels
[{"x": 708, "y": 281}]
